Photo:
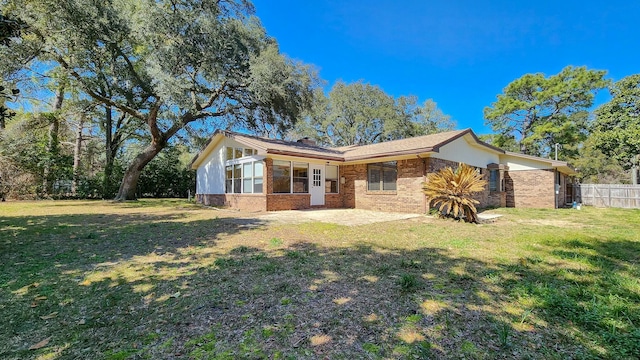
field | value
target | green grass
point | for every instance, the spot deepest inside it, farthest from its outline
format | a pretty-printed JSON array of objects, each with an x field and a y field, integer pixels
[{"x": 164, "y": 278}]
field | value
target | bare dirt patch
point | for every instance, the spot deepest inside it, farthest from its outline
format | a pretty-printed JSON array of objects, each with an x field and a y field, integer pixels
[
  {"x": 553, "y": 222},
  {"x": 347, "y": 217}
]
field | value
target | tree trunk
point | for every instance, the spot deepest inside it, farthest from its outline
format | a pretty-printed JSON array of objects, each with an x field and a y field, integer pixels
[
  {"x": 52, "y": 143},
  {"x": 108, "y": 166},
  {"x": 76, "y": 157},
  {"x": 130, "y": 179},
  {"x": 159, "y": 141}
]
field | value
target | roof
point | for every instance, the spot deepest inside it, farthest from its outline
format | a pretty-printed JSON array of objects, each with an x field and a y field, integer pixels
[
  {"x": 563, "y": 166},
  {"x": 415, "y": 145},
  {"x": 276, "y": 146},
  {"x": 418, "y": 144}
]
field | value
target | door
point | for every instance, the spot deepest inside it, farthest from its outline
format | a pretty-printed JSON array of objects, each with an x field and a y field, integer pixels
[{"x": 316, "y": 187}]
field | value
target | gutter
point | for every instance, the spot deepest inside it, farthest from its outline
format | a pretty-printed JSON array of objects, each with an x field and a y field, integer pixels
[{"x": 305, "y": 155}]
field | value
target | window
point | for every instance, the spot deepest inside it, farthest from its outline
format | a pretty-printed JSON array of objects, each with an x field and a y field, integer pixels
[
  {"x": 300, "y": 177},
  {"x": 494, "y": 179},
  {"x": 237, "y": 177},
  {"x": 290, "y": 177},
  {"x": 281, "y": 176},
  {"x": 257, "y": 177},
  {"x": 331, "y": 179},
  {"x": 228, "y": 184},
  {"x": 237, "y": 153},
  {"x": 247, "y": 177},
  {"x": 382, "y": 176},
  {"x": 244, "y": 178}
]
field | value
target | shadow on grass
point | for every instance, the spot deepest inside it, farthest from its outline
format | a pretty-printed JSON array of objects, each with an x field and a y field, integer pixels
[{"x": 160, "y": 287}]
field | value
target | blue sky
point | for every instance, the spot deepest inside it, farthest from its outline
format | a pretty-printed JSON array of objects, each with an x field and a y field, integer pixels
[{"x": 459, "y": 53}]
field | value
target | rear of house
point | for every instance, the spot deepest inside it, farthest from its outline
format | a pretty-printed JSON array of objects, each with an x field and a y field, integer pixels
[{"x": 260, "y": 174}]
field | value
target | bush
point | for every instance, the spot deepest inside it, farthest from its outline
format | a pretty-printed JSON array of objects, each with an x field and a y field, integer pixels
[{"x": 452, "y": 192}]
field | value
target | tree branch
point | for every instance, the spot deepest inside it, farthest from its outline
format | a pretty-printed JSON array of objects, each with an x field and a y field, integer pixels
[
  {"x": 133, "y": 72},
  {"x": 216, "y": 94},
  {"x": 152, "y": 121},
  {"x": 95, "y": 95}
]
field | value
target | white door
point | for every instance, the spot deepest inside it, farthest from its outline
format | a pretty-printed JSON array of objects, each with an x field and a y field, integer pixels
[{"x": 317, "y": 184}]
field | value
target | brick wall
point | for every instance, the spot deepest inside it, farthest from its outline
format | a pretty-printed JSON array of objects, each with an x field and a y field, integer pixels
[
  {"x": 562, "y": 191},
  {"x": 407, "y": 197},
  {"x": 435, "y": 164},
  {"x": 486, "y": 198},
  {"x": 277, "y": 202},
  {"x": 347, "y": 190},
  {"x": 530, "y": 188},
  {"x": 497, "y": 199},
  {"x": 334, "y": 201},
  {"x": 249, "y": 202},
  {"x": 268, "y": 172}
]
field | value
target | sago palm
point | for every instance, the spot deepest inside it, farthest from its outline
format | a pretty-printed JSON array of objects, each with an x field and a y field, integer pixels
[{"x": 451, "y": 192}]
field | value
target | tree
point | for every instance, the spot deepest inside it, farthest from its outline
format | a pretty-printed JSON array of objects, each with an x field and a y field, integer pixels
[
  {"x": 594, "y": 167},
  {"x": 616, "y": 130},
  {"x": 430, "y": 119},
  {"x": 505, "y": 142},
  {"x": 452, "y": 191},
  {"x": 25, "y": 143},
  {"x": 5, "y": 112},
  {"x": 169, "y": 64},
  {"x": 10, "y": 28},
  {"x": 361, "y": 113},
  {"x": 167, "y": 175},
  {"x": 539, "y": 111}
]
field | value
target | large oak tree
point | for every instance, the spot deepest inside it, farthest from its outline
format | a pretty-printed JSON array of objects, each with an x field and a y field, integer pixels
[
  {"x": 169, "y": 64},
  {"x": 360, "y": 113}
]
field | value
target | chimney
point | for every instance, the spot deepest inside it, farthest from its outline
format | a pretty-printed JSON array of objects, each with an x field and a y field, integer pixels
[{"x": 307, "y": 141}]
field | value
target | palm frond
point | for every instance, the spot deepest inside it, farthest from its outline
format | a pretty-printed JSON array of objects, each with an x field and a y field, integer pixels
[{"x": 452, "y": 191}]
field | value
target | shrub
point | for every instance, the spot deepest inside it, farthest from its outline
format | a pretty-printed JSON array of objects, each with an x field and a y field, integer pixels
[{"x": 451, "y": 191}]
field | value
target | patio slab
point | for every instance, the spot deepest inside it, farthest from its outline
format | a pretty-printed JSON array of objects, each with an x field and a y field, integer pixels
[{"x": 348, "y": 217}]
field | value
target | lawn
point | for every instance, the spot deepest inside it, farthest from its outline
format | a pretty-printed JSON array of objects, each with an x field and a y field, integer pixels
[{"x": 162, "y": 279}]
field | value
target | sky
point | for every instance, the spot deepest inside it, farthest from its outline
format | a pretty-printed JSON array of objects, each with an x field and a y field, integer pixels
[{"x": 460, "y": 53}]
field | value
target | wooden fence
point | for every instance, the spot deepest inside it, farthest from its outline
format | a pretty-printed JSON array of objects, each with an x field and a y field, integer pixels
[{"x": 609, "y": 195}]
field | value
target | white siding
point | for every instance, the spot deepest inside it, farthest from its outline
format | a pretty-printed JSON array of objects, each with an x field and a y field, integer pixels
[
  {"x": 210, "y": 174},
  {"x": 460, "y": 150},
  {"x": 521, "y": 164}
]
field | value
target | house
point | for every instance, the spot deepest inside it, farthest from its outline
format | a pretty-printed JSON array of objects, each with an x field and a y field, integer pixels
[{"x": 261, "y": 174}]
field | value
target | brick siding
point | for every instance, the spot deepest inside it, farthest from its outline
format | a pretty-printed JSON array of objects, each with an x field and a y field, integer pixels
[
  {"x": 277, "y": 202},
  {"x": 530, "y": 189},
  {"x": 249, "y": 202},
  {"x": 334, "y": 201},
  {"x": 486, "y": 198},
  {"x": 534, "y": 188},
  {"x": 561, "y": 198},
  {"x": 406, "y": 198}
]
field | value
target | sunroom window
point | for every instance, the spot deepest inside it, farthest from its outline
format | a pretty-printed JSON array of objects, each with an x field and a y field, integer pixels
[{"x": 244, "y": 178}]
